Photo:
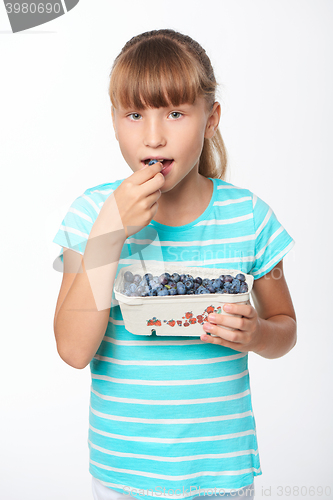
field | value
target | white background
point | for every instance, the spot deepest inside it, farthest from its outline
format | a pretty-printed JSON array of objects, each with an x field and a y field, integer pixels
[{"x": 273, "y": 60}]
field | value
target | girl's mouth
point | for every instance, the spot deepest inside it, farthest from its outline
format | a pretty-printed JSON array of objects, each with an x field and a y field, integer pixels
[
  {"x": 167, "y": 166},
  {"x": 165, "y": 162}
]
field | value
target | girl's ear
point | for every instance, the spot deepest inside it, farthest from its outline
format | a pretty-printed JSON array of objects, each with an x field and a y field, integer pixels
[
  {"x": 114, "y": 122},
  {"x": 213, "y": 121}
]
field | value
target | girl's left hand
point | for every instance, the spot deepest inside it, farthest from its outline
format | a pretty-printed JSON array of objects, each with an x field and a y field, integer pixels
[{"x": 246, "y": 336}]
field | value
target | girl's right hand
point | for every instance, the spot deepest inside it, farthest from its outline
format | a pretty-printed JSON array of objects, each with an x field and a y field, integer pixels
[{"x": 137, "y": 196}]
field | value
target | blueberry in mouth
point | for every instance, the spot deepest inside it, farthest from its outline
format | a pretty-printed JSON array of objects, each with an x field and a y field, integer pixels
[{"x": 165, "y": 162}]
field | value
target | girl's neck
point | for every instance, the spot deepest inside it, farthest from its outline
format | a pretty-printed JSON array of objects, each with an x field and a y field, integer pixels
[{"x": 185, "y": 202}]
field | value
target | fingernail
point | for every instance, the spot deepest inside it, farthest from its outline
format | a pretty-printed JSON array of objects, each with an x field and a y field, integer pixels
[
  {"x": 212, "y": 317},
  {"x": 227, "y": 307}
]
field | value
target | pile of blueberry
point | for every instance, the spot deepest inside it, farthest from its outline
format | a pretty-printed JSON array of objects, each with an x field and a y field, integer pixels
[{"x": 180, "y": 284}]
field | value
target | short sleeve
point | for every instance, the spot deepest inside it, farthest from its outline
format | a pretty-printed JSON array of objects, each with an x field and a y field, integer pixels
[
  {"x": 272, "y": 242},
  {"x": 77, "y": 224}
]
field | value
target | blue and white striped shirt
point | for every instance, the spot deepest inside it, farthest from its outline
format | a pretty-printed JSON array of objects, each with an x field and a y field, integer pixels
[{"x": 176, "y": 412}]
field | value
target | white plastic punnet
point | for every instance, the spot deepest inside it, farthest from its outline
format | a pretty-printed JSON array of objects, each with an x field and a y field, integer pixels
[{"x": 175, "y": 315}]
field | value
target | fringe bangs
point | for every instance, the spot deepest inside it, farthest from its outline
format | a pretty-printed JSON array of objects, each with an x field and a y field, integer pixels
[{"x": 158, "y": 74}]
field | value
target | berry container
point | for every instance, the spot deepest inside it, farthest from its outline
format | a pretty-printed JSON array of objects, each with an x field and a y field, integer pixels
[{"x": 175, "y": 315}]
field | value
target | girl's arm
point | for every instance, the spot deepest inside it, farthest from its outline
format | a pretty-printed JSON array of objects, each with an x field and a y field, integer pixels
[
  {"x": 269, "y": 329},
  {"x": 83, "y": 307}
]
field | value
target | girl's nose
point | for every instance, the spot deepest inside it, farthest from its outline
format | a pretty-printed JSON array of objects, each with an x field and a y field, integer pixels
[{"x": 154, "y": 136}]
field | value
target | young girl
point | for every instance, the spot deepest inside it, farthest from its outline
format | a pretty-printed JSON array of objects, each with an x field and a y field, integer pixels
[{"x": 170, "y": 417}]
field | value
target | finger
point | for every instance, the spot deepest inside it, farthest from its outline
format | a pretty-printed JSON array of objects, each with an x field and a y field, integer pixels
[
  {"x": 245, "y": 310},
  {"x": 147, "y": 172},
  {"x": 151, "y": 181},
  {"x": 229, "y": 335},
  {"x": 153, "y": 186},
  {"x": 226, "y": 321},
  {"x": 152, "y": 198},
  {"x": 209, "y": 339}
]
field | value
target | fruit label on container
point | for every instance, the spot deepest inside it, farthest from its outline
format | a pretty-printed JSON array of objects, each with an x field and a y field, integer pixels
[{"x": 186, "y": 320}]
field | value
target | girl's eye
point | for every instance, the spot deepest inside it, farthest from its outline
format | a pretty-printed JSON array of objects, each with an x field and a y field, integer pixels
[
  {"x": 135, "y": 116},
  {"x": 175, "y": 114}
]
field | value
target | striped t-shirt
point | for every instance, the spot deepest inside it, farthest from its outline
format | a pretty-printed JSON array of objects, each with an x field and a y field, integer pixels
[{"x": 172, "y": 417}]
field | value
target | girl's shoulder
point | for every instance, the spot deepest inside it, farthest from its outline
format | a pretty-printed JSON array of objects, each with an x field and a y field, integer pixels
[
  {"x": 250, "y": 201},
  {"x": 97, "y": 194},
  {"x": 228, "y": 190},
  {"x": 103, "y": 189},
  {"x": 90, "y": 202}
]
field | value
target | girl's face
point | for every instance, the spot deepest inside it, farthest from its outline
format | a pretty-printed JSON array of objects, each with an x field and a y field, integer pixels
[{"x": 175, "y": 134}]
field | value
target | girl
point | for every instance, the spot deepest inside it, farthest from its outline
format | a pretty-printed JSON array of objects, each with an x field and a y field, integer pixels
[{"x": 170, "y": 416}]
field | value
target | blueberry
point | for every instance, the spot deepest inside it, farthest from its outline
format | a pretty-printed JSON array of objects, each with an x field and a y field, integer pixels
[
  {"x": 152, "y": 162},
  {"x": 183, "y": 277},
  {"x": 133, "y": 287},
  {"x": 217, "y": 284},
  {"x": 235, "y": 287},
  {"x": 188, "y": 284},
  {"x": 153, "y": 286},
  {"x": 175, "y": 277},
  {"x": 163, "y": 279},
  {"x": 137, "y": 279},
  {"x": 243, "y": 288},
  {"x": 163, "y": 292},
  {"x": 198, "y": 280},
  {"x": 128, "y": 276},
  {"x": 181, "y": 288},
  {"x": 173, "y": 291},
  {"x": 240, "y": 277},
  {"x": 148, "y": 277},
  {"x": 228, "y": 279}
]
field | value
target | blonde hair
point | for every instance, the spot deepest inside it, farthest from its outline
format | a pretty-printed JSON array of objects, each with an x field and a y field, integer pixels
[{"x": 161, "y": 68}]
